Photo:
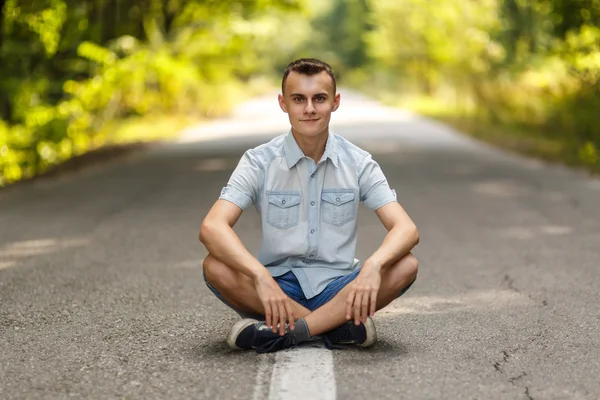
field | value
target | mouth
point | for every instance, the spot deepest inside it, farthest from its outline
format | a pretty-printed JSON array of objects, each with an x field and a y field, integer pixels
[{"x": 310, "y": 120}]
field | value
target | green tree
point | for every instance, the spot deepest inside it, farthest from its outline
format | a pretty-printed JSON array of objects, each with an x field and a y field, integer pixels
[{"x": 70, "y": 68}]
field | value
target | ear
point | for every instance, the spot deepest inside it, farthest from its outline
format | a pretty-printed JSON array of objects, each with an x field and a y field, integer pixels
[
  {"x": 336, "y": 102},
  {"x": 282, "y": 103}
]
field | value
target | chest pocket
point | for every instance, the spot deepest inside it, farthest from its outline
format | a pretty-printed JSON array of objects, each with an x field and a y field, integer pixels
[
  {"x": 338, "y": 207},
  {"x": 283, "y": 210}
]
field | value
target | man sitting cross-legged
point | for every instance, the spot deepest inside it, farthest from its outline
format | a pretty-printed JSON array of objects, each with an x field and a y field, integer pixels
[{"x": 306, "y": 185}]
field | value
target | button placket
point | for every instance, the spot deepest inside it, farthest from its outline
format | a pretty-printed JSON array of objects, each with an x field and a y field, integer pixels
[{"x": 313, "y": 217}]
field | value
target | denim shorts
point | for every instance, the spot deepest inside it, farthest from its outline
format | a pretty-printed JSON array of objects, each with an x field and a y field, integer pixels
[{"x": 291, "y": 287}]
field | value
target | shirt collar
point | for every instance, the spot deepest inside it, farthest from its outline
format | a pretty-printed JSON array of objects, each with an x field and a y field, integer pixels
[{"x": 293, "y": 152}]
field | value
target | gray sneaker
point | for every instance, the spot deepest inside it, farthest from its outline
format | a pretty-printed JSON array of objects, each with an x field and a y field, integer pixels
[
  {"x": 253, "y": 334},
  {"x": 363, "y": 335}
]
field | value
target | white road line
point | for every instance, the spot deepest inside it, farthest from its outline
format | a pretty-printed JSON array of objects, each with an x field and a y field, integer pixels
[
  {"x": 262, "y": 377},
  {"x": 303, "y": 373}
]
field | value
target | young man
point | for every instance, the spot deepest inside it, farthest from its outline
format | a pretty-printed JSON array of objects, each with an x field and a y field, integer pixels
[{"x": 306, "y": 186}]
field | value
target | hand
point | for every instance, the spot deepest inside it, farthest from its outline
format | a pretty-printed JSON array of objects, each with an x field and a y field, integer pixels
[
  {"x": 363, "y": 295},
  {"x": 277, "y": 305}
]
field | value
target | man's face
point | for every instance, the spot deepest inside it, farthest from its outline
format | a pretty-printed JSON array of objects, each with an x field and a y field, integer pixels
[{"x": 309, "y": 101}]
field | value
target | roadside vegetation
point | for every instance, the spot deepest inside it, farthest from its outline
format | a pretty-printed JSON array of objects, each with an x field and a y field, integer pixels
[
  {"x": 79, "y": 75},
  {"x": 521, "y": 74}
]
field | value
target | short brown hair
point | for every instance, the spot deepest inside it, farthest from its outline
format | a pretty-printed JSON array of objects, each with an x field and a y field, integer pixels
[{"x": 308, "y": 66}]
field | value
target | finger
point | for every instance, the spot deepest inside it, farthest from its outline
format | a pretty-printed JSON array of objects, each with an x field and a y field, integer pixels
[
  {"x": 364, "y": 307},
  {"x": 275, "y": 317},
  {"x": 349, "y": 303},
  {"x": 357, "y": 301},
  {"x": 373, "y": 302},
  {"x": 290, "y": 313},
  {"x": 268, "y": 314},
  {"x": 282, "y": 318}
]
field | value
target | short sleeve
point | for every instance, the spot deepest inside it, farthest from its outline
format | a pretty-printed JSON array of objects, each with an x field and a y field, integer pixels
[
  {"x": 243, "y": 185},
  {"x": 375, "y": 191}
]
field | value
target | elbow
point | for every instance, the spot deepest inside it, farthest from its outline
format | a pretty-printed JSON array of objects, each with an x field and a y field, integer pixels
[
  {"x": 414, "y": 233},
  {"x": 206, "y": 231}
]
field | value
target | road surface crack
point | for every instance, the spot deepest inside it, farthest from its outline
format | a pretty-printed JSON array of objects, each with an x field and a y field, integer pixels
[
  {"x": 498, "y": 364},
  {"x": 529, "y": 396},
  {"x": 518, "y": 377},
  {"x": 511, "y": 283},
  {"x": 514, "y": 380}
]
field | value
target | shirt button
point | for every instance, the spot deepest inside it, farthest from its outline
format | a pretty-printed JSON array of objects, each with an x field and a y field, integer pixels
[
  {"x": 312, "y": 203},
  {"x": 283, "y": 201},
  {"x": 312, "y": 175},
  {"x": 312, "y": 231},
  {"x": 338, "y": 199},
  {"x": 311, "y": 255}
]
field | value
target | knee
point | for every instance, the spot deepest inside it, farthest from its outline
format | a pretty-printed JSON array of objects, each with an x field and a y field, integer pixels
[
  {"x": 412, "y": 267},
  {"x": 407, "y": 270},
  {"x": 209, "y": 269},
  {"x": 216, "y": 273}
]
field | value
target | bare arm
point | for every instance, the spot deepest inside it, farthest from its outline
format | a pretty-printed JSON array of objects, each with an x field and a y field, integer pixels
[
  {"x": 402, "y": 236},
  {"x": 219, "y": 238},
  {"x": 402, "y": 233},
  {"x": 217, "y": 235}
]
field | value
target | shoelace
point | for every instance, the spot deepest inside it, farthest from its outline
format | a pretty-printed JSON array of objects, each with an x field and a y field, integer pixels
[{"x": 282, "y": 342}]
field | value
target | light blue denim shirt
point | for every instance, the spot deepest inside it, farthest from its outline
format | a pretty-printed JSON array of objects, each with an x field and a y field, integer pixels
[{"x": 308, "y": 212}]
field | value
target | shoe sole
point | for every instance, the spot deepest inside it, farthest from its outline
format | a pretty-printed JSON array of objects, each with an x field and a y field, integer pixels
[
  {"x": 236, "y": 329},
  {"x": 371, "y": 333}
]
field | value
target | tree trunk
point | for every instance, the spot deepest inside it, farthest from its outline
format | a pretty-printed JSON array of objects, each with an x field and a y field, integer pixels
[
  {"x": 4, "y": 105},
  {"x": 2, "y": 3},
  {"x": 168, "y": 18}
]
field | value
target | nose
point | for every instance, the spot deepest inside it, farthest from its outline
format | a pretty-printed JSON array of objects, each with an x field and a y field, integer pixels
[{"x": 309, "y": 109}]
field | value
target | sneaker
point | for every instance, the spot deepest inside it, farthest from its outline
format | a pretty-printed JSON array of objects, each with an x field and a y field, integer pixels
[
  {"x": 253, "y": 334},
  {"x": 363, "y": 335}
]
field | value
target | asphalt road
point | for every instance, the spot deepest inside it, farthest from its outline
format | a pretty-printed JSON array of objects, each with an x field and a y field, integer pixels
[{"x": 101, "y": 290}]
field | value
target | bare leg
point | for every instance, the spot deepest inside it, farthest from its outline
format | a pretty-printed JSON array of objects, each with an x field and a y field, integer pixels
[
  {"x": 238, "y": 289},
  {"x": 393, "y": 280}
]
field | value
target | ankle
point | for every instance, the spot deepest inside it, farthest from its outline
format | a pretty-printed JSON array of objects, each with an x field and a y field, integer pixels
[{"x": 301, "y": 331}]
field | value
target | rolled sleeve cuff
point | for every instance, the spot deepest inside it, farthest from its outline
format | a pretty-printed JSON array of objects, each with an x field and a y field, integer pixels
[
  {"x": 237, "y": 197},
  {"x": 380, "y": 198}
]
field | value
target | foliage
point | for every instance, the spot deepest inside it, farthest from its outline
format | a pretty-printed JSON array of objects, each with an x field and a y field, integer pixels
[
  {"x": 70, "y": 69},
  {"x": 531, "y": 64},
  {"x": 73, "y": 71}
]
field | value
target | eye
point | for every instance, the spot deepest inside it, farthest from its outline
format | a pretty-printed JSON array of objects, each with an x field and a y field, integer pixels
[
  {"x": 298, "y": 99},
  {"x": 321, "y": 99}
]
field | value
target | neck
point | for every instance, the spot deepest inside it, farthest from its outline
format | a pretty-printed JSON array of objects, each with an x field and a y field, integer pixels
[{"x": 314, "y": 146}]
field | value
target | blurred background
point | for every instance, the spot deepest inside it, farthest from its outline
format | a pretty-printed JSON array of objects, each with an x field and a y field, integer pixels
[{"x": 81, "y": 75}]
